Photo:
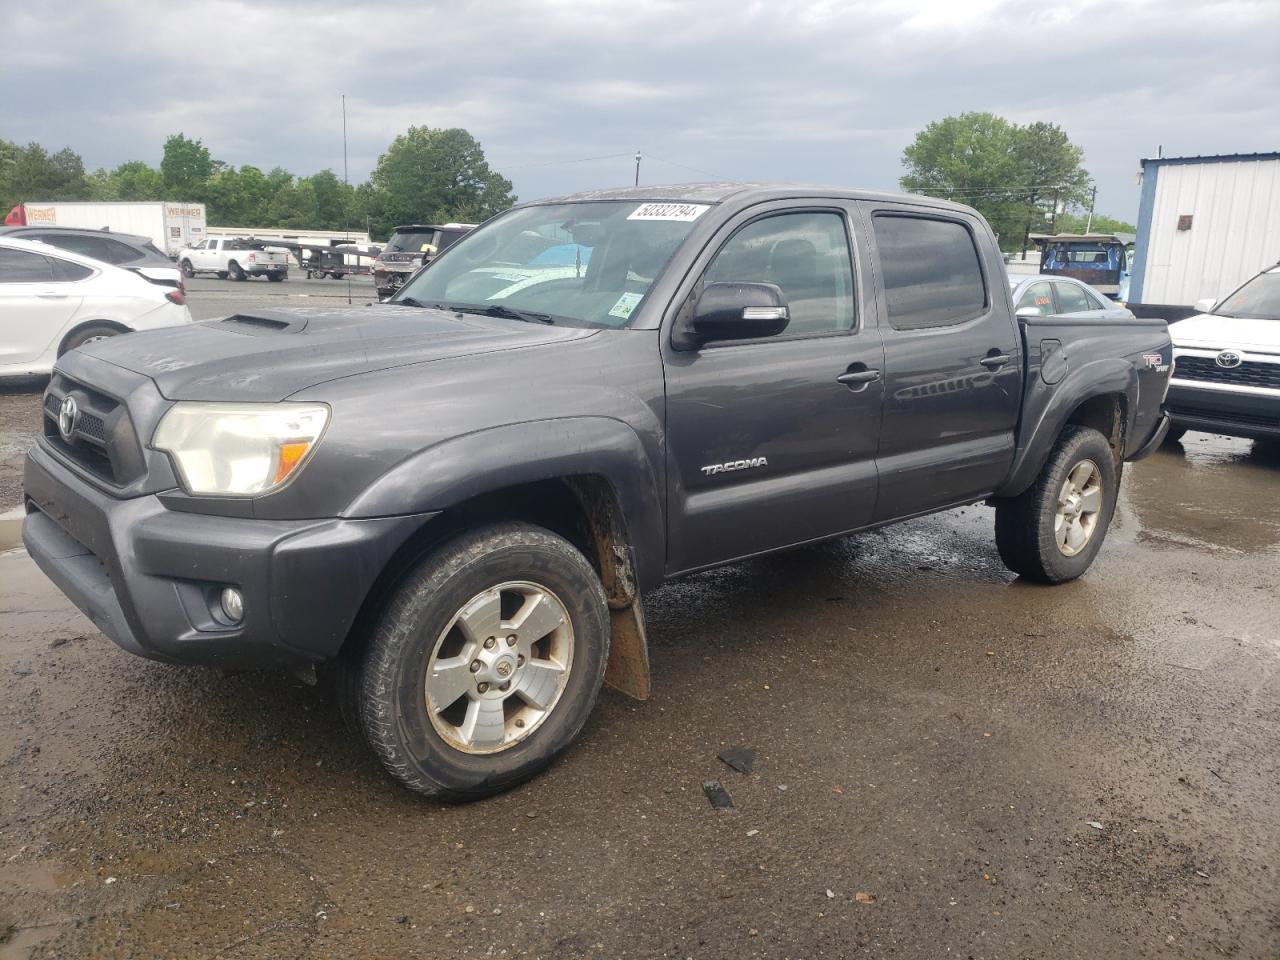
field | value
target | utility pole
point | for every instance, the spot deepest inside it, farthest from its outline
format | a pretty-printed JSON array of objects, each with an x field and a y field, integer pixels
[
  {"x": 1026, "y": 234},
  {"x": 1093, "y": 196},
  {"x": 637, "y": 167},
  {"x": 345, "y": 182},
  {"x": 1053, "y": 218}
]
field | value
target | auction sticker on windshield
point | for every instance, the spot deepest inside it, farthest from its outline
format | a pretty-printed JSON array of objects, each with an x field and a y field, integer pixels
[
  {"x": 684, "y": 212},
  {"x": 625, "y": 305}
]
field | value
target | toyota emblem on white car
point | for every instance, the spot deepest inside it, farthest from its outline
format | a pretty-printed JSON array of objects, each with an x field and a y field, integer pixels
[
  {"x": 68, "y": 414},
  {"x": 1228, "y": 359}
]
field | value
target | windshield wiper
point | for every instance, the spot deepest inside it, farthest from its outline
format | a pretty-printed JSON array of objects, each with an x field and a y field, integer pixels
[
  {"x": 497, "y": 310},
  {"x": 410, "y": 302}
]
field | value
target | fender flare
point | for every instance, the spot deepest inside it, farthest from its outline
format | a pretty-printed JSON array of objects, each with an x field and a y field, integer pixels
[
  {"x": 458, "y": 469},
  {"x": 1047, "y": 410}
]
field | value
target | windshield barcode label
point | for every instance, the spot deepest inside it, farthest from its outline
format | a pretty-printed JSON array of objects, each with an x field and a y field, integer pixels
[{"x": 684, "y": 212}]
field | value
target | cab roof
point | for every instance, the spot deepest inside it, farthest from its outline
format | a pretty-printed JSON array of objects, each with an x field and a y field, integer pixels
[{"x": 742, "y": 194}]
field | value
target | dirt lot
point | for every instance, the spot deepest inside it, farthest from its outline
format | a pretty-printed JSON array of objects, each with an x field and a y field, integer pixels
[{"x": 949, "y": 762}]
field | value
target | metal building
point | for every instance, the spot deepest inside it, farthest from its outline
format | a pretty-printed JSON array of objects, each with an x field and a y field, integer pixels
[{"x": 1205, "y": 225}]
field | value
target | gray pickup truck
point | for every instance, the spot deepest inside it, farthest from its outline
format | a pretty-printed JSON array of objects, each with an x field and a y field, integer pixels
[{"x": 460, "y": 497}]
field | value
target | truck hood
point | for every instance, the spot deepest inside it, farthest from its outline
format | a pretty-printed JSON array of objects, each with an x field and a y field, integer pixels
[
  {"x": 1206, "y": 331},
  {"x": 267, "y": 355}
]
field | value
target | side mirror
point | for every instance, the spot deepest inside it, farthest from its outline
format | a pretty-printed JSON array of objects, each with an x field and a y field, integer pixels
[
  {"x": 733, "y": 311},
  {"x": 1204, "y": 305},
  {"x": 1030, "y": 312}
]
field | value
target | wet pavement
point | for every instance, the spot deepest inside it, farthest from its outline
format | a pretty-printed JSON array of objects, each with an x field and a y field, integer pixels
[{"x": 948, "y": 762}]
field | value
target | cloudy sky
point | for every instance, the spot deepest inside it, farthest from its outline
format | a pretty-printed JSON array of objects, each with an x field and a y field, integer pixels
[{"x": 561, "y": 93}]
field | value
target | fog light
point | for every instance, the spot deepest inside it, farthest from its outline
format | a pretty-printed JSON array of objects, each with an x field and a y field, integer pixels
[{"x": 232, "y": 604}]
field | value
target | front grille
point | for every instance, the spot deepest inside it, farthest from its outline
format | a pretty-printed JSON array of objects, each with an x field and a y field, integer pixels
[
  {"x": 1222, "y": 416},
  {"x": 1251, "y": 373},
  {"x": 102, "y": 442}
]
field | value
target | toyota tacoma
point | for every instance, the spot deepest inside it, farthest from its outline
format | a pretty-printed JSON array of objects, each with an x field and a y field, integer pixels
[{"x": 460, "y": 497}]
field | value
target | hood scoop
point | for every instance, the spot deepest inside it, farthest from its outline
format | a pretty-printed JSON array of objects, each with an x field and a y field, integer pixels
[{"x": 251, "y": 326}]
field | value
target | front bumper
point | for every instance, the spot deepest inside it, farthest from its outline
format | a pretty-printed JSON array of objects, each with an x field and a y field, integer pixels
[
  {"x": 150, "y": 577},
  {"x": 1254, "y": 413}
]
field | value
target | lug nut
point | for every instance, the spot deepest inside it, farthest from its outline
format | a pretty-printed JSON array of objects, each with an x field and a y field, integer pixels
[
  {"x": 490, "y": 643},
  {"x": 520, "y": 660},
  {"x": 482, "y": 687},
  {"x": 511, "y": 640},
  {"x": 475, "y": 666},
  {"x": 519, "y": 723}
]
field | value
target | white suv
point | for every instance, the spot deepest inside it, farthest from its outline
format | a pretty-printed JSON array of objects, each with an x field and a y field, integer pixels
[
  {"x": 53, "y": 300},
  {"x": 1226, "y": 377}
]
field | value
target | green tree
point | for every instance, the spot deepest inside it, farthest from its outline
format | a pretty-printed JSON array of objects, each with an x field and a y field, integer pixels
[
  {"x": 1011, "y": 174},
  {"x": 133, "y": 180},
  {"x": 430, "y": 175},
  {"x": 31, "y": 173},
  {"x": 186, "y": 167},
  {"x": 1076, "y": 222}
]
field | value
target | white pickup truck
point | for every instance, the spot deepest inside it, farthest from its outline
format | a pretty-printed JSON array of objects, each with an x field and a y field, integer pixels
[{"x": 234, "y": 257}]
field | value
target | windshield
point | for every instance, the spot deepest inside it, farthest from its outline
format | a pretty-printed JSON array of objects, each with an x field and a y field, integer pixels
[
  {"x": 1257, "y": 299},
  {"x": 574, "y": 263}
]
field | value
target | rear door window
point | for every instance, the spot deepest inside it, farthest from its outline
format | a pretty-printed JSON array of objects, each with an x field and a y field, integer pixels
[
  {"x": 1071, "y": 299},
  {"x": 930, "y": 269},
  {"x": 85, "y": 246},
  {"x": 22, "y": 266}
]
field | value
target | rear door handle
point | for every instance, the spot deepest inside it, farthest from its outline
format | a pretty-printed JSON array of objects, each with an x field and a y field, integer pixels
[
  {"x": 999, "y": 360},
  {"x": 52, "y": 294}
]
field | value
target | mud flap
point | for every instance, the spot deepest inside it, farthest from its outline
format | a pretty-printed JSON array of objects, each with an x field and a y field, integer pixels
[{"x": 628, "y": 667}]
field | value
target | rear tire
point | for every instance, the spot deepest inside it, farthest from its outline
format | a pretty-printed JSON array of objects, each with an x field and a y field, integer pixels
[
  {"x": 275, "y": 277},
  {"x": 1175, "y": 434},
  {"x": 1051, "y": 532},
  {"x": 88, "y": 334},
  {"x": 235, "y": 271},
  {"x": 426, "y": 690}
]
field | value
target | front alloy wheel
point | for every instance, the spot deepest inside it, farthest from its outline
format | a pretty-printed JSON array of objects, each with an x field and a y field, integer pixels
[
  {"x": 484, "y": 664},
  {"x": 499, "y": 667}
]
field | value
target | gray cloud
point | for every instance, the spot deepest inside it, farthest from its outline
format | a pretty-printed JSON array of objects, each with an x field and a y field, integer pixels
[{"x": 816, "y": 91}]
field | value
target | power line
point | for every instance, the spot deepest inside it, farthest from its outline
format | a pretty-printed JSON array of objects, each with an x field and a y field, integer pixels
[
  {"x": 685, "y": 166},
  {"x": 556, "y": 163}
]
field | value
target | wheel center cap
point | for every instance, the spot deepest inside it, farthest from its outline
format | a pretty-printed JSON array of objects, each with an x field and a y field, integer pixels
[{"x": 505, "y": 667}]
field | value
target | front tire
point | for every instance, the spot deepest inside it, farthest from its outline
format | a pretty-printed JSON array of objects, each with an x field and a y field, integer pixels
[
  {"x": 1175, "y": 434},
  {"x": 235, "y": 271},
  {"x": 188, "y": 270},
  {"x": 485, "y": 663},
  {"x": 1051, "y": 532}
]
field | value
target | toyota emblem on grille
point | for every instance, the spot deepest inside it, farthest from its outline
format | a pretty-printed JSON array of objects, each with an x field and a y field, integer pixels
[
  {"x": 1227, "y": 359},
  {"x": 68, "y": 414}
]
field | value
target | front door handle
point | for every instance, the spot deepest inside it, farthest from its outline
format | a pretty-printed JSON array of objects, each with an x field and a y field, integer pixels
[
  {"x": 857, "y": 380},
  {"x": 995, "y": 361},
  {"x": 52, "y": 294}
]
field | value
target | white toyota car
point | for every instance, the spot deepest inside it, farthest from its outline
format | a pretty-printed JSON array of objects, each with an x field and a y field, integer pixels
[
  {"x": 53, "y": 300},
  {"x": 1226, "y": 376}
]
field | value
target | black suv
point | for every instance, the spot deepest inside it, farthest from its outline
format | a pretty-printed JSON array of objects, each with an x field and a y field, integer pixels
[{"x": 410, "y": 247}]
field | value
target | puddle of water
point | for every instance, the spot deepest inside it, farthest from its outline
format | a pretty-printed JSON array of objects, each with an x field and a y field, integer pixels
[{"x": 11, "y": 529}]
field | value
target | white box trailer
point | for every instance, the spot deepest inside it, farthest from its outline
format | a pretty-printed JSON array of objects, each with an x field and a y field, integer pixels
[
  {"x": 169, "y": 225},
  {"x": 1205, "y": 226}
]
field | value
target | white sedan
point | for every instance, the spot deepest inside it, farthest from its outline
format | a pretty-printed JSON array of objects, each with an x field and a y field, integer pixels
[
  {"x": 53, "y": 300},
  {"x": 1051, "y": 296}
]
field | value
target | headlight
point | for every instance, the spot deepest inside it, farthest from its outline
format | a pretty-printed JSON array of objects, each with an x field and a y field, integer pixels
[{"x": 239, "y": 449}]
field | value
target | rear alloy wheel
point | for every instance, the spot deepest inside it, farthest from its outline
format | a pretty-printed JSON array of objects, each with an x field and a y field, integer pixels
[
  {"x": 485, "y": 663},
  {"x": 1051, "y": 532},
  {"x": 235, "y": 271},
  {"x": 93, "y": 333}
]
